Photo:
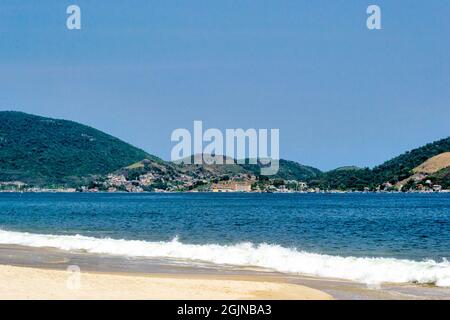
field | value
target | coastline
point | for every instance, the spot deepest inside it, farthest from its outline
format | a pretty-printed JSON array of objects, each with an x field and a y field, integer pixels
[
  {"x": 42, "y": 273},
  {"x": 43, "y": 284},
  {"x": 63, "y": 191}
]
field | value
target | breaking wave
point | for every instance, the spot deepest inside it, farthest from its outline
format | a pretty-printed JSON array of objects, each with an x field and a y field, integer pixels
[{"x": 287, "y": 260}]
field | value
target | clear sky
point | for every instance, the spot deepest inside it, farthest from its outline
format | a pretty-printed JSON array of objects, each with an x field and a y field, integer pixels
[{"x": 339, "y": 93}]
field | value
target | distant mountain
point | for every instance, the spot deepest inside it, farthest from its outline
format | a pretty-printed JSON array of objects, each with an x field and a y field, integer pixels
[
  {"x": 288, "y": 170},
  {"x": 401, "y": 167},
  {"x": 188, "y": 167},
  {"x": 430, "y": 161},
  {"x": 49, "y": 152},
  {"x": 435, "y": 170},
  {"x": 344, "y": 178},
  {"x": 348, "y": 168},
  {"x": 396, "y": 171},
  {"x": 44, "y": 151}
]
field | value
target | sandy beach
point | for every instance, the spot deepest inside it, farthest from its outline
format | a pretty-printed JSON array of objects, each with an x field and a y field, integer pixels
[
  {"x": 41, "y": 273},
  {"x": 35, "y": 283}
]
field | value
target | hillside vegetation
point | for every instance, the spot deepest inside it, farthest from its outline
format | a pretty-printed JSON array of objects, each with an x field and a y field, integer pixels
[
  {"x": 401, "y": 167},
  {"x": 431, "y": 157},
  {"x": 289, "y": 170},
  {"x": 49, "y": 152},
  {"x": 442, "y": 177},
  {"x": 43, "y": 151}
]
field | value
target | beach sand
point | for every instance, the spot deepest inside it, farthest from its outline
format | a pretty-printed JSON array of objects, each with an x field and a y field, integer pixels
[
  {"x": 41, "y": 273},
  {"x": 36, "y": 283}
]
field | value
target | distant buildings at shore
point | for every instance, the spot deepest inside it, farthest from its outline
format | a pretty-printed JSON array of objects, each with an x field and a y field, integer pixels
[
  {"x": 231, "y": 186},
  {"x": 160, "y": 182}
]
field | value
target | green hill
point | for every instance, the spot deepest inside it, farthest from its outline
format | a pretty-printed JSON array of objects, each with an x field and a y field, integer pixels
[
  {"x": 393, "y": 171},
  {"x": 344, "y": 178},
  {"x": 401, "y": 167},
  {"x": 210, "y": 170},
  {"x": 43, "y": 151},
  {"x": 289, "y": 170},
  {"x": 442, "y": 177},
  {"x": 49, "y": 152}
]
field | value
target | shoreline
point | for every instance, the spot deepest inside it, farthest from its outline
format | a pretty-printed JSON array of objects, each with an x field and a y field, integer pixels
[
  {"x": 43, "y": 284},
  {"x": 23, "y": 269},
  {"x": 445, "y": 191}
]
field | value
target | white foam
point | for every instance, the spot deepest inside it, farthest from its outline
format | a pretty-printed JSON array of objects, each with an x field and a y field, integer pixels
[{"x": 366, "y": 270}]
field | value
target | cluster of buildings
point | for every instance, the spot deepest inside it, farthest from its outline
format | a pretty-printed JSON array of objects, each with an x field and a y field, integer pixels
[
  {"x": 146, "y": 182},
  {"x": 162, "y": 182},
  {"x": 417, "y": 183},
  {"x": 19, "y": 186},
  {"x": 12, "y": 185},
  {"x": 167, "y": 181},
  {"x": 428, "y": 186},
  {"x": 231, "y": 186}
]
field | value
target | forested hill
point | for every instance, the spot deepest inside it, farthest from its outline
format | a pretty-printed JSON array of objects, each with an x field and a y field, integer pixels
[
  {"x": 49, "y": 152},
  {"x": 392, "y": 171},
  {"x": 400, "y": 167},
  {"x": 44, "y": 151},
  {"x": 288, "y": 170}
]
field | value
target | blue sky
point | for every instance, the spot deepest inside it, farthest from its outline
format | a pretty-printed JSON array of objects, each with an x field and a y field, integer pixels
[{"x": 339, "y": 93}]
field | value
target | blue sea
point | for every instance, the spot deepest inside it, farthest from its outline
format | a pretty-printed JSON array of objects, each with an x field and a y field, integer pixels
[{"x": 369, "y": 238}]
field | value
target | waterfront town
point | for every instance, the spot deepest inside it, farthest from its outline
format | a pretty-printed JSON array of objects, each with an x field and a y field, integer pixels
[{"x": 153, "y": 182}]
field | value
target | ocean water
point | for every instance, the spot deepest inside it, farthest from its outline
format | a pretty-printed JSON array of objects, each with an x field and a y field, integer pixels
[{"x": 369, "y": 238}]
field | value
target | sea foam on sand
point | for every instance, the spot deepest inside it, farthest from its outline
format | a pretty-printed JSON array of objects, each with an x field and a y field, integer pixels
[{"x": 288, "y": 260}]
